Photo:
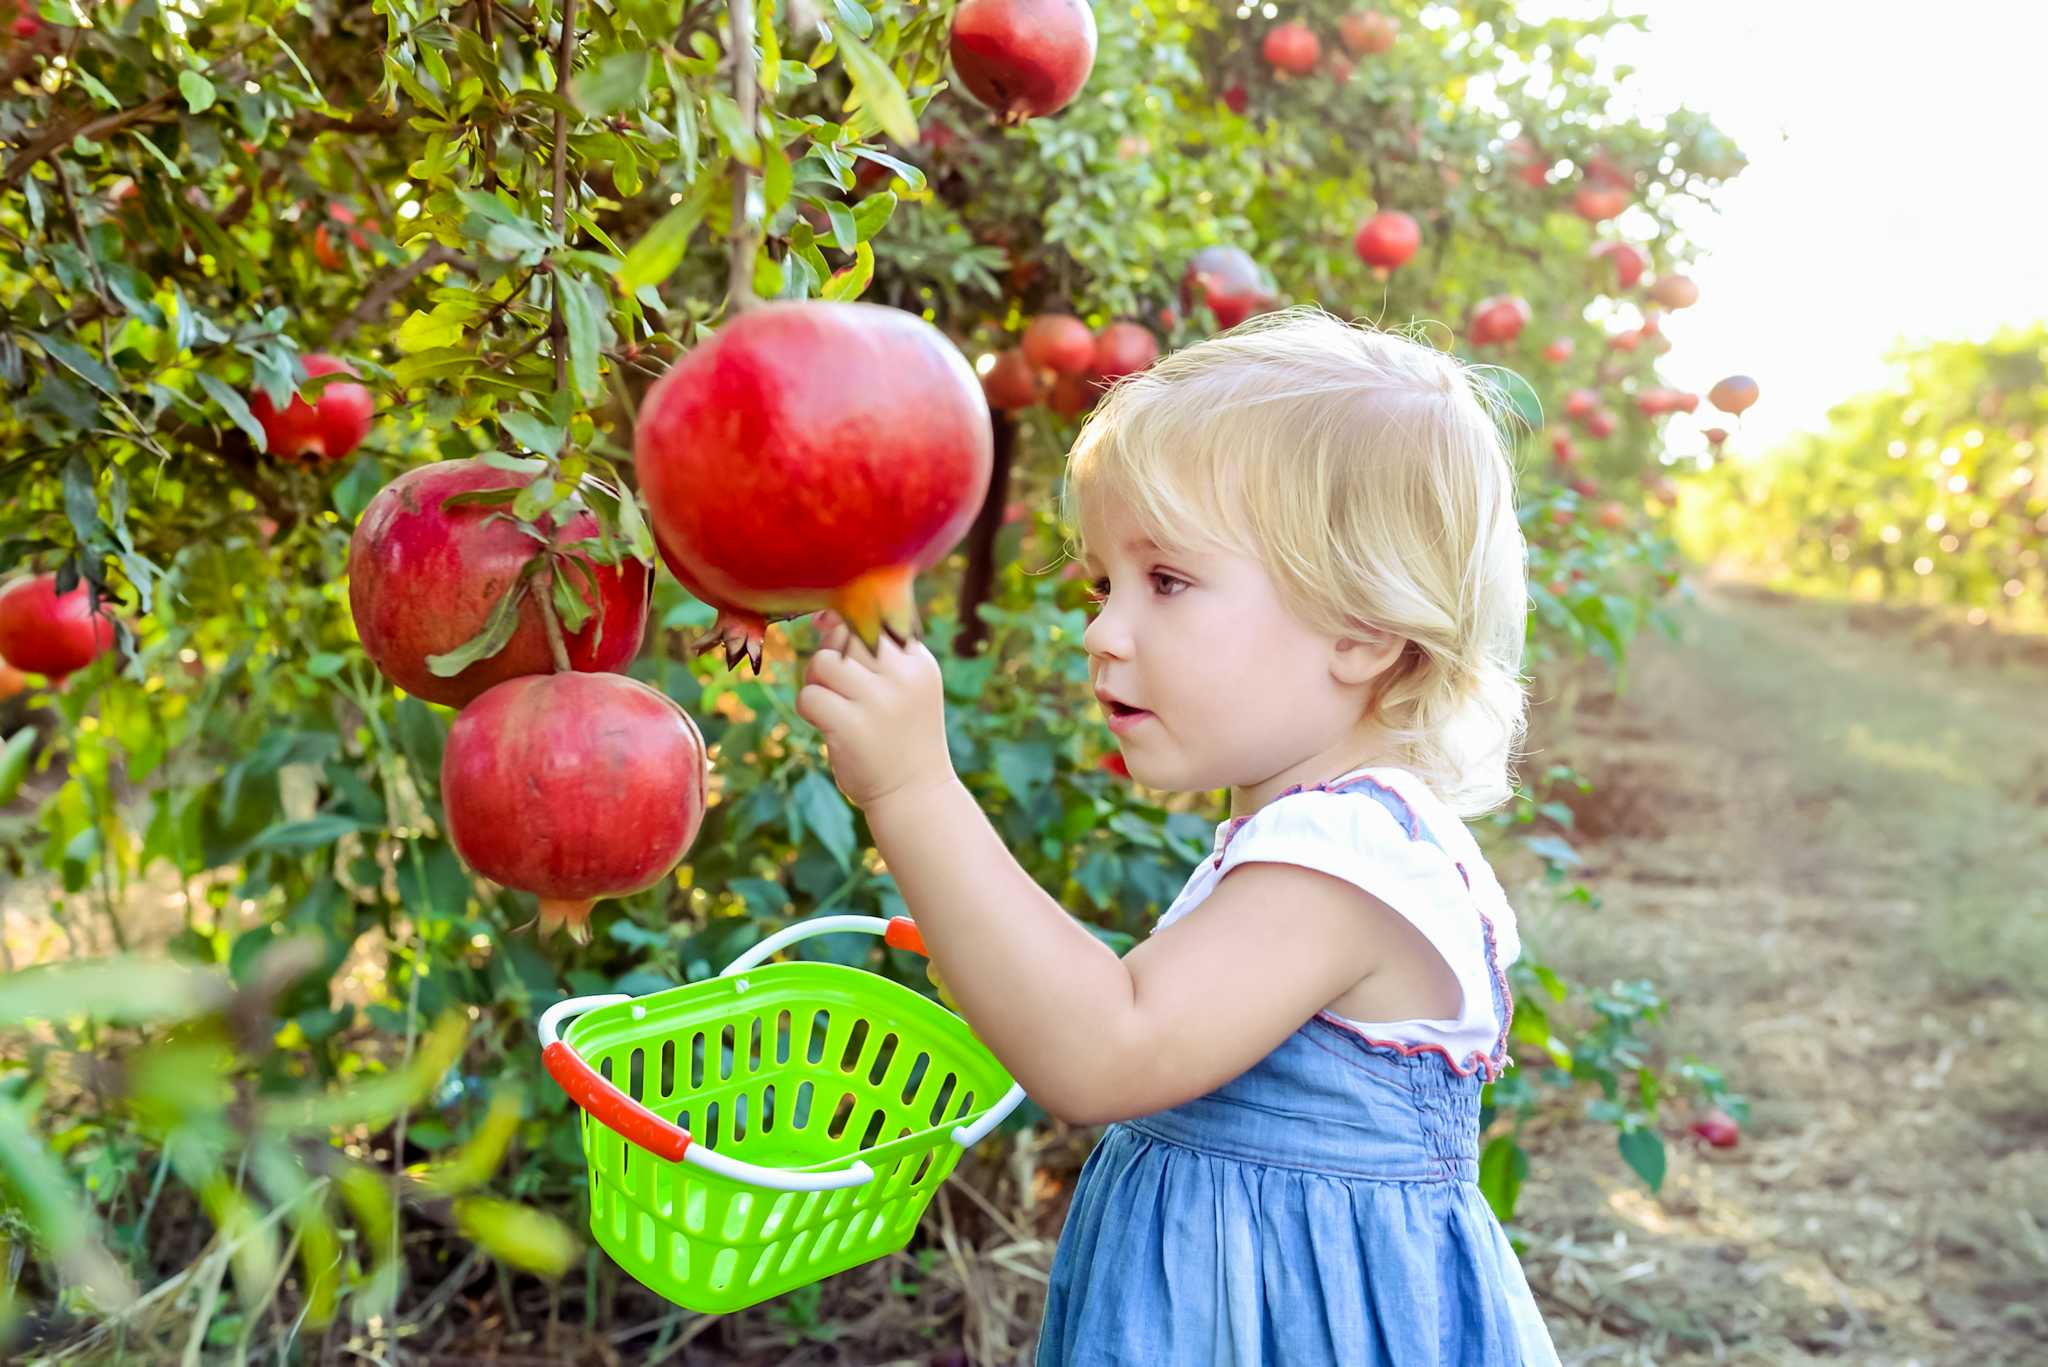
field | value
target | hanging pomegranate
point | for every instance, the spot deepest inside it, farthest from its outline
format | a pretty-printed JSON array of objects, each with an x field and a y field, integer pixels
[
  {"x": 330, "y": 428},
  {"x": 812, "y": 455},
  {"x": 1498, "y": 319},
  {"x": 1597, "y": 203},
  {"x": 1629, "y": 263},
  {"x": 1023, "y": 59},
  {"x": 1560, "y": 350},
  {"x": 1600, "y": 424},
  {"x": 1733, "y": 394},
  {"x": 1674, "y": 291},
  {"x": 1715, "y": 436},
  {"x": 46, "y": 632},
  {"x": 1292, "y": 49},
  {"x": 1387, "y": 240},
  {"x": 1368, "y": 33},
  {"x": 1580, "y": 402},
  {"x": 1229, "y": 282},
  {"x": 573, "y": 787},
  {"x": 425, "y": 577},
  {"x": 1123, "y": 349},
  {"x": 1059, "y": 342},
  {"x": 1011, "y": 384}
]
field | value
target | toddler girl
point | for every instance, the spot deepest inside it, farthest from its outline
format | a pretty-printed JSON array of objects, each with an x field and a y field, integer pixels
[{"x": 1311, "y": 592}]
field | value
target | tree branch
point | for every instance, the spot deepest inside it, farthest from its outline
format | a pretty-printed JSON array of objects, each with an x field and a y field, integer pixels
[
  {"x": 379, "y": 296},
  {"x": 746, "y": 90},
  {"x": 565, "y": 63}
]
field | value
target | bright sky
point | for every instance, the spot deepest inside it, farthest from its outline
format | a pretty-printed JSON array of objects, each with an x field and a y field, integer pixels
[{"x": 1897, "y": 185}]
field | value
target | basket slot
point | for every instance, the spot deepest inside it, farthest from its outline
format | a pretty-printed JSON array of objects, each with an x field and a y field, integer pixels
[
  {"x": 801, "y": 1116},
  {"x": 636, "y": 1070},
  {"x": 709, "y": 1138},
  {"x": 924, "y": 1167},
  {"x": 966, "y": 1105},
  {"x": 782, "y": 1037},
  {"x": 725, "y": 1054},
  {"x": 604, "y": 1067},
  {"x": 723, "y": 1266},
  {"x": 945, "y": 1095},
  {"x": 855, "y": 1043},
  {"x": 739, "y": 1117},
  {"x": 768, "y": 1108},
  {"x": 736, "y": 1212},
  {"x": 884, "y": 1056},
  {"x": 841, "y": 1114},
  {"x": 874, "y": 1129},
  {"x": 918, "y": 1068},
  {"x": 668, "y": 1068},
  {"x": 754, "y": 1046},
  {"x": 814, "y": 1051},
  {"x": 696, "y": 1061}
]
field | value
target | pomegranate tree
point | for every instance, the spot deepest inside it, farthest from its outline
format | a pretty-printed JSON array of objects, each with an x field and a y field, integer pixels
[
  {"x": 46, "y": 632},
  {"x": 573, "y": 787},
  {"x": 329, "y": 428},
  {"x": 812, "y": 455},
  {"x": 428, "y": 574},
  {"x": 1229, "y": 282},
  {"x": 1023, "y": 59},
  {"x": 1387, "y": 240},
  {"x": 1059, "y": 342}
]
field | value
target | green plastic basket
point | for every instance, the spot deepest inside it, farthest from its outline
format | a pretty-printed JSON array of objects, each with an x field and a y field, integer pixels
[{"x": 764, "y": 1129}]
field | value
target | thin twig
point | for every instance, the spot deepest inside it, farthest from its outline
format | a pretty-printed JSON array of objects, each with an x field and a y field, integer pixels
[
  {"x": 92, "y": 262},
  {"x": 565, "y": 62},
  {"x": 388, "y": 287},
  {"x": 746, "y": 90}
]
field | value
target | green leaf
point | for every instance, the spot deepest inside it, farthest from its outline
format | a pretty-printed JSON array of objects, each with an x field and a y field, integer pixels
[
  {"x": 531, "y": 432},
  {"x": 1643, "y": 1150},
  {"x": 426, "y": 331},
  {"x": 580, "y": 313},
  {"x": 61, "y": 1216},
  {"x": 617, "y": 82},
  {"x": 197, "y": 90},
  {"x": 824, "y": 811},
  {"x": 846, "y": 233},
  {"x": 852, "y": 282},
  {"x": 79, "y": 360},
  {"x": 504, "y": 620},
  {"x": 518, "y": 1235},
  {"x": 1503, "y": 1167},
  {"x": 119, "y": 991},
  {"x": 872, "y": 214},
  {"x": 313, "y": 833},
  {"x": 234, "y": 405},
  {"x": 660, "y": 249},
  {"x": 855, "y": 16},
  {"x": 876, "y": 88},
  {"x": 1024, "y": 767},
  {"x": 741, "y": 142},
  {"x": 14, "y": 758},
  {"x": 912, "y": 177}
]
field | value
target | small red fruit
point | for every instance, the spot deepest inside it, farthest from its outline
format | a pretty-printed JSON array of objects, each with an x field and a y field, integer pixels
[
  {"x": 1340, "y": 69},
  {"x": 13, "y": 683},
  {"x": 1613, "y": 515},
  {"x": 1624, "y": 341},
  {"x": 1600, "y": 424},
  {"x": 330, "y": 429},
  {"x": 1562, "y": 515},
  {"x": 1674, "y": 291},
  {"x": 1716, "y": 435},
  {"x": 1500, "y": 318},
  {"x": 1123, "y": 349},
  {"x": 1023, "y": 59},
  {"x": 1685, "y": 402},
  {"x": 1011, "y": 384},
  {"x": 423, "y": 578},
  {"x": 45, "y": 632},
  {"x": 1059, "y": 342},
  {"x": 1559, "y": 351},
  {"x": 1654, "y": 402},
  {"x": 1563, "y": 448},
  {"x": 1072, "y": 395},
  {"x": 1292, "y": 48},
  {"x": 1230, "y": 283},
  {"x": 1717, "y": 1128},
  {"x": 1596, "y": 204},
  {"x": 1629, "y": 263},
  {"x": 1368, "y": 33},
  {"x": 1585, "y": 488},
  {"x": 1387, "y": 240},
  {"x": 1733, "y": 394},
  {"x": 1113, "y": 763},
  {"x": 1236, "y": 99},
  {"x": 812, "y": 455},
  {"x": 574, "y": 787},
  {"x": 1580, "y": 403}
]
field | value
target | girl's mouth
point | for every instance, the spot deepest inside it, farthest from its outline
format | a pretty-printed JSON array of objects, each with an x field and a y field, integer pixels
[{"x": 1123, "y": 717}]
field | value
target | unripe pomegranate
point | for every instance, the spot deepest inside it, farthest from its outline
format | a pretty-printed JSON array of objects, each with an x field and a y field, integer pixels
[
  {"x": 812, "y": 455},
  {"x": 1123, "y": 349},
  {"x": 1011, "y": 384},
  {"x": 1059, "y": 342},
  {"x": 1387, "y": 240},
  {"x": 1629, "y": 263},
  {"x": 45, "y": 632},
  {"x": 573, "y": 787},
  {"x": 1600, "y": 424},
  {"x": 1560, "y": 350},
  {"x": 1596, "y": 203},
  {"x": 1292, "y": 49},
  {"x": 1733, "y": 394},
  {"x": 1580, "y": 402},
  {"x": 1368, "y": 33},
  {"x": 1023, "y": 59},
  {"x": 1613, "y": 515},
  {"x": 1674, "y": 291},
  {"x": 1718, "y": 1128},
  {"x": 1500, "y": 318},
  {"x": 1230, "y": 283},
  {"x": 423, "y": 578},
  {"x": 330, "y": 429}
]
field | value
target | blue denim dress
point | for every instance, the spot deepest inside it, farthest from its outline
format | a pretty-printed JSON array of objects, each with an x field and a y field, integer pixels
[{"x": 1320, "y": 1210}]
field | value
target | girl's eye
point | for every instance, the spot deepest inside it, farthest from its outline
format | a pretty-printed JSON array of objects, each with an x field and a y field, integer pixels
[{"x": 1167, "y": 585}]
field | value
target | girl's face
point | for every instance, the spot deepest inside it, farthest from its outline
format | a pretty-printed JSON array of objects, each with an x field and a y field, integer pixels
[{"x": 1207, "y": 680}]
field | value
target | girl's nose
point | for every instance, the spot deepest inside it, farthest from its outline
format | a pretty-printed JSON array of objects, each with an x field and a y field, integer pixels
[{"x": 1107, "y": 637}]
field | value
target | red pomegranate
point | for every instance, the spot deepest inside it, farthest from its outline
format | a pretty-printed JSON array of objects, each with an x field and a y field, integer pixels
[
  {"x": 326, "y": 248},
  {"x": 50, "y": 633},
  {"x": 1023, "y": 58},
  {"x": 1059, "y": 342},
  {"x": 1716, "y": 435},
  {"x": 1230, "y": 282},
  {"x": 812, "y": 455},
  {"x": 1733, "y": 394},
  {"x": 1600, "y": 424},
  {"x": 1368, "y": 33},
  {"x": 1717, "y": 1128},
  {"x": 1292, "y": 49},
  {"x": 330, "y": 429},
  {"x": 1580, "y": 402},
  {"x": 1629, "y": 264},
  {"x": 13, "y": 683},
  {"x": 1613, "y": 515},
  {"x": 1011, "y": 384},
  {"x": 1123, "y": 349},
  {"x": 573, "y": 787},
  {"x": 1387, "y": 240},
  {"x": 1113, "y": 763},
  {"x": 1604, "y": 170},
  {"x": 1624, "y": 341},
  {"x": 1655, "y": 402},
  {"x": 1674, "y": 291},
  {"x": 1500, "y": 318},
  {"x": 1562, "y": 516},
  {"x": 1236, "y": 99},
  {"x": 1072, "y": 395},
  {"x": 1340, "y": 68},
  {"x": 1563, "y": 448},
  {"x": 423, "y": 578},
  {"x": 1684, "y": 402},
  {"x": 1597, "y": 203},
  {"x": 1585, "y": 487},
  {"x": 1560, "y": 350}
]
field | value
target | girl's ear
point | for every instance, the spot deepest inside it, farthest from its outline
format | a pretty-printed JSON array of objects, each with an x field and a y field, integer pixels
[{"x": 1363, "y": 656}]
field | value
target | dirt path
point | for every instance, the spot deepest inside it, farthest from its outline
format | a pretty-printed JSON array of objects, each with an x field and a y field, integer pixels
[{"x": 1828, "y": 840}]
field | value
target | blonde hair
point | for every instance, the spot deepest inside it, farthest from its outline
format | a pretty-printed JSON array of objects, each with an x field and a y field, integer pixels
[{"x": 1368, "y": 473}]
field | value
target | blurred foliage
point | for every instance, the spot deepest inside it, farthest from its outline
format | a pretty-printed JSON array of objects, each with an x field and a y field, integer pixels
[
  {"x": 1934, "y": 491},
  {"x": 194, "y": 195}
]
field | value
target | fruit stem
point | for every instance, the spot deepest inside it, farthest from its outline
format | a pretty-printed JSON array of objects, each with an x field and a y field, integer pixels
[
  {"x": 566, "y": 913},
  {"x": 746, "y": 89},
  {"x": 556, "y": 646}
]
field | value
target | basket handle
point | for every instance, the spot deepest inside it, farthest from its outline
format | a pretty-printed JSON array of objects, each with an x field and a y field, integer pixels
[{"x": 899, "y": 931}]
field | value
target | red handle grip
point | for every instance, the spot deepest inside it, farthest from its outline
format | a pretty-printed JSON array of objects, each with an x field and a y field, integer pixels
[
  {"x": 904, "y": 934},
  {"x": 611, "y": 1107}
]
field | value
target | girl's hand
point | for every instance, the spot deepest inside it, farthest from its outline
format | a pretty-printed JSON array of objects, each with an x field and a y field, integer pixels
[{"x": 882, "y": 713}]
